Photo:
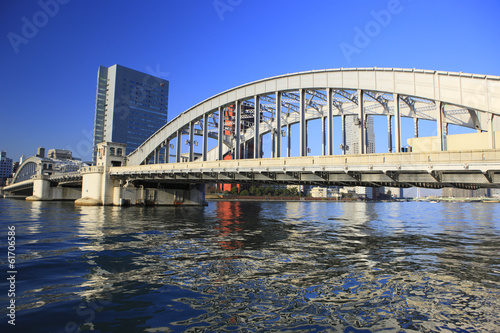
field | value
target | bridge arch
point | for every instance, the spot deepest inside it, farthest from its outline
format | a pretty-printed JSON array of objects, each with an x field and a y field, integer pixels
[
  {"x": 468, "y": 100},
  {"x": 27, "y": 169}
]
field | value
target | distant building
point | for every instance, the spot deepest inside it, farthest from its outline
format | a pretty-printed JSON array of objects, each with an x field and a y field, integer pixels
[
  {"x": 324, "y": 192},
  {"x": 5, "y": 168},
  {"x": 15, "y": 166},
  {"x": 464, "y": 193},
  {"x": 130, "y": 106},
  {"x": 60, "y": 154},
  {"x": 353, "y": 147}
]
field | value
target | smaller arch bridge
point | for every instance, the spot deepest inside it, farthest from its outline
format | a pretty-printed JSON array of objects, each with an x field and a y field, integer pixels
[{"x": 58, "y": 172}]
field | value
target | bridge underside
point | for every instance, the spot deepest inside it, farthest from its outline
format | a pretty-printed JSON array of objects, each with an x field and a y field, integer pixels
[{"x": 435, "y": 180}]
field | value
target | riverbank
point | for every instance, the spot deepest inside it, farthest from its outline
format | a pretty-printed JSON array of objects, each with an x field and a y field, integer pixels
[
  {"x": 453, "y": 199},
  {"x": 220, "y": 197}
]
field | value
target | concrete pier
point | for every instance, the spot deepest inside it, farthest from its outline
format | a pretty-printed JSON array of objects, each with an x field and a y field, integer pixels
[
  {"x": 98, "y": 188},
  {"x": 44, "y": 191}
]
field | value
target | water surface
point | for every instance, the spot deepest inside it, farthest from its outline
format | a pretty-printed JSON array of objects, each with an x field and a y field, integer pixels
[{"x": 255, "y": 267}]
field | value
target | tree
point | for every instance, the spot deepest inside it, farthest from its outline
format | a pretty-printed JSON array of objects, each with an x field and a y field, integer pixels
[
  {"x": 244, "y": 192},
  {"x": 253, "y": 188},
  {"x": 234, "y": 190}
]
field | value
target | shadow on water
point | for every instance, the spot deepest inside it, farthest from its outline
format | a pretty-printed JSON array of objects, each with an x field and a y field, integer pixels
[{"x": 257, "y": 266}]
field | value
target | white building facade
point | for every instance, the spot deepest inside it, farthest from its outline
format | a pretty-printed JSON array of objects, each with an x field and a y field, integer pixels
[{"x": 352, "y": 124}]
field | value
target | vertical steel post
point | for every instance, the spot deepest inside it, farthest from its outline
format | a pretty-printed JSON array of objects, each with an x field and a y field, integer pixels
[
  {"x": 330, "y": 120},
  {"x": 278, "y": 125},
  {"x": 397, "y": 123},
  {"x": 167, "y": 151},
  {"x": 389, "y": 132},
  {"x": 491, "y": 133},
  {"x": 191, "y": 141},
  {"x": 302, "y": 124},
  {"x": 324, "y": 135},
  {"x": 361, "y": 117},
  {"x": 344, "y": 137},
  {"x": 179, "y": 146},
  {"x": 237, "y": 132},
  {"x": 204, "y": 151},
  {"x": 415, "y": 126},
  {"x": 256, "y": 135},
  {"x": 221, "y": 134},
  {"x": 439, "y": 119}
]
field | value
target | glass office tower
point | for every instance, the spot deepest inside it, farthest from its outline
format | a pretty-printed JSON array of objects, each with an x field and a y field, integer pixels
[{"x": 130, "y": 106}]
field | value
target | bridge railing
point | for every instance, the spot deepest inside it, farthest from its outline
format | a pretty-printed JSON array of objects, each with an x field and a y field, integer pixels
[
  {"x": 90, "y": 169},
  {"x": 65, "y": 175},
  {"x": 400, "y": 160}
]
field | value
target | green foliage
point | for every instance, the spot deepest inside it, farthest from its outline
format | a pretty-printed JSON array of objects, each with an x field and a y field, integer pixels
[
  {"x": 252, "y": 190},
  {"x": 266, "y": 191}
]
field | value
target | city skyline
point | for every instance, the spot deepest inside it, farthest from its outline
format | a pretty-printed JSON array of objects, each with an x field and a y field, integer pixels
[{"x": 50, "y": 53}]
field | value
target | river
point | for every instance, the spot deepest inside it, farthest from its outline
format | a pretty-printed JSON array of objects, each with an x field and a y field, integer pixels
[{"x": 252, "y": 267}]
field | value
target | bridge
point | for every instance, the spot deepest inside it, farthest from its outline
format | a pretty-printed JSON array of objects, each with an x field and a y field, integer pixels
[
  {"x": 232, "y": 125},
  {"x": 63, "y": 176}
]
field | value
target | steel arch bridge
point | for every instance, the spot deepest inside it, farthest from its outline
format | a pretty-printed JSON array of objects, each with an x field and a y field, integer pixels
[{"x": 248, "y": 111}]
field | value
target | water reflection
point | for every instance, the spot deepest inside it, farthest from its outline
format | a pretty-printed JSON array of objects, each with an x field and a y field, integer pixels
[
  {"x": 249, "y": 266},
  {"x": 228, "y": 214}
]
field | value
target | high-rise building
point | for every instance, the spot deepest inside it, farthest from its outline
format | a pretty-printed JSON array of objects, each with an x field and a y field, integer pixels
[
  {"x": 130, "y": 106},
  {"x": 352, "y": 135},
  {"x": 353, "y": 145},
  {"x": 5, "y": 168}
]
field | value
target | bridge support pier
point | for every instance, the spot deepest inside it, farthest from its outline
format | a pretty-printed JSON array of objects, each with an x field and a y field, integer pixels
[
  {"x": 98, "y": 188},
  {"x": 41, "y": 188},
  {"x": 182, "y": 195},
  {"x": 44, "y": 191}
]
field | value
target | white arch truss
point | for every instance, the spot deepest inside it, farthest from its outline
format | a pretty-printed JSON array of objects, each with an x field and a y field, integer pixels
[{"x": 469, "y": 100}]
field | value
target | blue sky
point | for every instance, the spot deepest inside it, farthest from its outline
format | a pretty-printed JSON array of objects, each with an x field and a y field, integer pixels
[{"x": 48, "y": 74}]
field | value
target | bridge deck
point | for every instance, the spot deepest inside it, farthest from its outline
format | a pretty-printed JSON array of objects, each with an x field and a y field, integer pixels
[{"x": 473, "y": 168}]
